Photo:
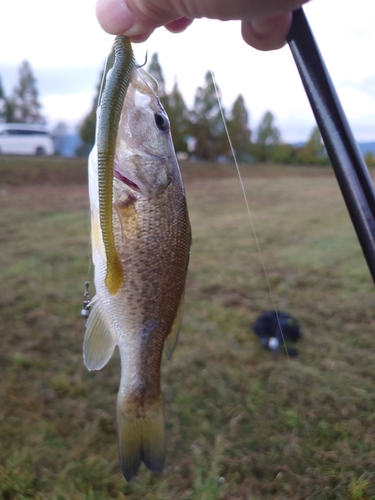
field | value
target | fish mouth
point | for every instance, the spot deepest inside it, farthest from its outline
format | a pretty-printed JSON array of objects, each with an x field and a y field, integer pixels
[{"x": 126, "y": 181}]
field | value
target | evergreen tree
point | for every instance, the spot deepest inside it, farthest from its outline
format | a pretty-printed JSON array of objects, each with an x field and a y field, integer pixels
[
  {"x": 208, "y": 123},
  {"x": 25, "y": 107},
  {"x": 155, "y": 70},
  {"x": 178, "y": 114},
  {"x": 9, "y": 111},
  {"x": 174, "y": 106},
  {"x": 238, "y": 129},
  {"x": 313, "y": 152},
  {"x": 88, "y": 127},
  {"x": 315, "y": 146},
  {"x": 268, "y": 136},
  {"x": 7, "y": 107},
  {"x": 2, "y": 102}
]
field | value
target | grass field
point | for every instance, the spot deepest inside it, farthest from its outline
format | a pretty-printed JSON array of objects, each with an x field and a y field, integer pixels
[{"x": 240, "y": 425}]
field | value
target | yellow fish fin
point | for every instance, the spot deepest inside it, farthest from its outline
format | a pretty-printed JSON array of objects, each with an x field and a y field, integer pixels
[
  {"x": 140, "y": 436},
  {"x": 172, "y": 337},
  {"x": 99, "y": 342}
]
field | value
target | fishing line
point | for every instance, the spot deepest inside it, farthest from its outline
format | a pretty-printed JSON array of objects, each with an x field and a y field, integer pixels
[
  {"x": 246, "y": 202},
  {"x": 217, "y": 95}
]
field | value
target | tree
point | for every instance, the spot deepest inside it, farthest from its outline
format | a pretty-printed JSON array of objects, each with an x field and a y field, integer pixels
[
  {"x": 313, "y": 152},
  {"x": 268, "y": 136},
  {"x": 178, "y": 114},
  {"x": 208, "y": 123},
  {"x": 2, "y": 102},
  {"x": 24, "y": 106},
  {"x": 88, "y": 127},
  {"x": 283, "y": 153},
  {"x": 174, "y": 106},
  {"x": 155, "y": 70},
  {"x": 369, "y": 159},
  {"x": 238, "y": 129},
  {"x": 315, "y": 146},
  {"x": 7, "y": 107}
]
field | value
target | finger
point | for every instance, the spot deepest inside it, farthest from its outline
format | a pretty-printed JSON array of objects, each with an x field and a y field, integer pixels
[
  {"x": 140, "y": 38},
  {"x": 179, "y": 25},
  {"x": 267, "y": 34},
  {"x": 114, "y": 16},
  {"x": 174, "y": 27},
  {"x": 136, "y": 17}
]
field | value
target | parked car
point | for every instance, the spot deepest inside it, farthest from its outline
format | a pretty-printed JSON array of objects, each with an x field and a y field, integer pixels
[{"x": 25, "y": 139}]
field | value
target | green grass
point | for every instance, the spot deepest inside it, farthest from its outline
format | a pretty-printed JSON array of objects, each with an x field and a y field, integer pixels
[{"x": 240, "y": 425}]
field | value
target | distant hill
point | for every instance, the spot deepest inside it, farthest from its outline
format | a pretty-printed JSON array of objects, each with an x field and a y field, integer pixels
[{"x": 366, "y": 147}]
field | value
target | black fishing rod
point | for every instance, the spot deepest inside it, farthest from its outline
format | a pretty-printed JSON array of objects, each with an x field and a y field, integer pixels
[{"x": 348, "y": 164}]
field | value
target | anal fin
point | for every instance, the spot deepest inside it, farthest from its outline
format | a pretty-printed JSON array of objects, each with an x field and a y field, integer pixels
[{"x": 99, "y": 342}]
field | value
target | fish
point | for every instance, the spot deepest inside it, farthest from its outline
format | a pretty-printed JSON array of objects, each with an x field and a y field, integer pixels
[{"x": 140, "y": 269}]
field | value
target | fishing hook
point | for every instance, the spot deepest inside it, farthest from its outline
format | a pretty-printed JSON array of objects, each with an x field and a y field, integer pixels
[{"x": 144, "y": 64}]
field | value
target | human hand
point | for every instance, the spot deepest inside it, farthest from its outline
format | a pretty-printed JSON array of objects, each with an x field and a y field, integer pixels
[{"x": 265, "y": 23}]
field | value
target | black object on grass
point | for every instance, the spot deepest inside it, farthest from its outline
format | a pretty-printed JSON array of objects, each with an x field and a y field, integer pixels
[{"x": 277, "y": 329}]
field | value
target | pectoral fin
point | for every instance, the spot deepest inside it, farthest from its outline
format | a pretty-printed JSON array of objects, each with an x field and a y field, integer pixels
[
  {"x": 172, "y": 337},
  {"x": 99, "y": 342}
]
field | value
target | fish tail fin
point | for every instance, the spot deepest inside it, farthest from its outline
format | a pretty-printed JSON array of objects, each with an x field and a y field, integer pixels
[{"x": 140, "y": 435}]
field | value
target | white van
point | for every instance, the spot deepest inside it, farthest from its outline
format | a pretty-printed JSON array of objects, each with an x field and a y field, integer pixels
[{"x": 25, "y": 139}]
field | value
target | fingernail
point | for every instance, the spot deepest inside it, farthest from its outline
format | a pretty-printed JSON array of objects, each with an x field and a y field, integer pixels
[{"x": 115, "y": 17}]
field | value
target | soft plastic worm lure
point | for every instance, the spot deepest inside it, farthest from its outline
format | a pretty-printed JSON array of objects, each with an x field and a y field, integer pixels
[{"x": 110, "y": 111}]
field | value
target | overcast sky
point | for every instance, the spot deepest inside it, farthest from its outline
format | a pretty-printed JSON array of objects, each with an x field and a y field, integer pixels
[{"x": 67, "y": 48}]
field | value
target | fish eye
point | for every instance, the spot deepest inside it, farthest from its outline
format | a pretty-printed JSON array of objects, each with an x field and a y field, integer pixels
[{"x": 162, "y": 122}]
